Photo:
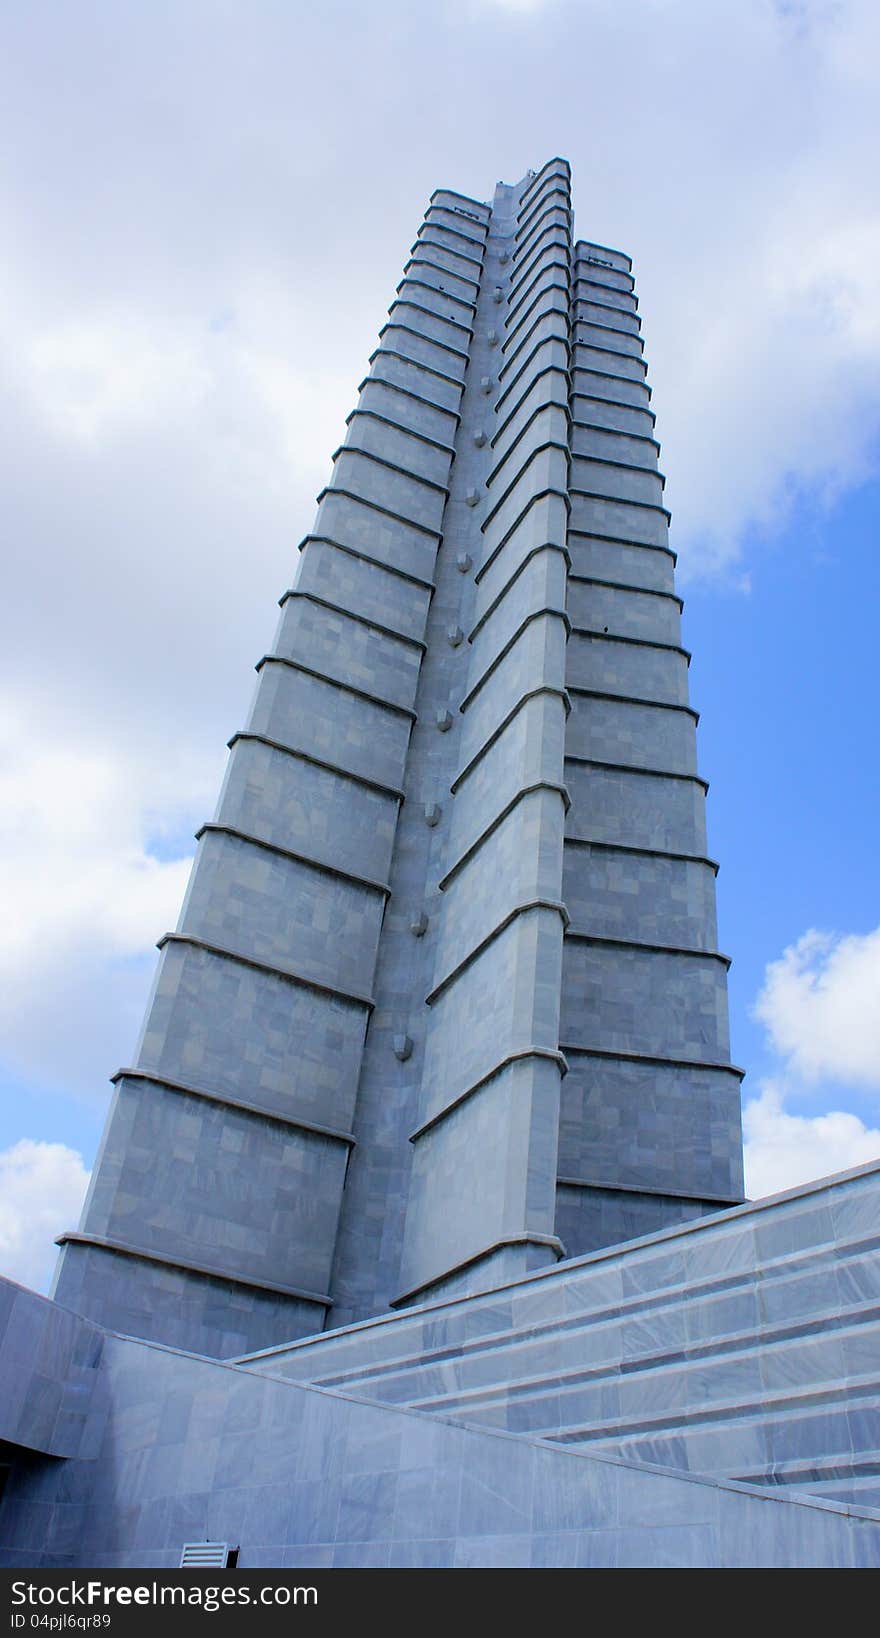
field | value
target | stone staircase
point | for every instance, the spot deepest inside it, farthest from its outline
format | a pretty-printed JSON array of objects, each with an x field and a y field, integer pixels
[{"x": 745, "y": 1345}]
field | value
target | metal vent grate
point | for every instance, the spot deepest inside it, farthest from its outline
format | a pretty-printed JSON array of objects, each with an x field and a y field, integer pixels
[{"x": 204, "y": 1555}]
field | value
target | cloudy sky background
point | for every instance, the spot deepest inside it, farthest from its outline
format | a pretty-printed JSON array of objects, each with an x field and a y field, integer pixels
[{"x": 206, "y": 208}]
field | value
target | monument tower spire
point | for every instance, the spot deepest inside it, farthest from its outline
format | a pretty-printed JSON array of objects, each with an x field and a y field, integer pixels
[{"x": 444, "y": 1002}]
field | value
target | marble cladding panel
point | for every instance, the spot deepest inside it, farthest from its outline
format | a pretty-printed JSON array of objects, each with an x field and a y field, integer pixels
[
  {"x": 624, "y": 520},
  {"x": 554, "y": 212},
  {"x": 468, "y": 245},
  {"x": 536, "y": 659},
  {"x": 234, "y": 1191},
  {"x": 633, "y": 1000},
  {"x": 312, "y": 715},
  {"x": 348, "y": 650},
  {"x": 596, "y": 356},
  {"x": 506, "y": 1001},
  {"x": 540, "y": 585},
  {"x": 412, "y": 498},
  {"x": 595, "y": 334},
  {"x": 598, "y": 477},
  {"x": 301, "y": 1479},
  {"x": 546, "y": 470},
  {"x": 604, "y": 279},
  {"x": 538, "y": 242},
  {"x": 545, "y": 249},
  {"x": 460, "y": 221},
  {"x": 529, "y": 751},
  {"x": 813, "y": 1219},
  {"x": 283, "y": 912},
  {"x": 638, "y": 670},
  {"x": 766, "y": 1393},
  {"x": 221, "y": 1025},
  {"x": 624, "y": 613},
  {"x": 640, "y": 896},
  {"x": 435, "y": 299},
  {"x": 550, "y": 388},
  {"x": 603, "y": 442},
  {"x": 708, "y": 1287},
  {"x": 53, "y": 1398},
  {"x": 590, "y": 255},
  {"x": 595, "y": 289},
  {"x": 596, "y": 312},
  {"x": 364, "y": 588},
  {"x": 596, "y": 381},
  {"x": 604, "y": 284},
  {"x": 202, "y": 1315},
  {"x": 550, "y": 320},
  {"x": 449, "y": 329},
  {"x": 592, "y": 411},
  {"x": 650, "y": 1125},
  {"x": 484, "y": 1172},
  {"x": 705, "y": 1357},
  {"x": 431, "y": 247},
  {"x": 423, "y": 264},
  {"x": 518, "y": 862},
  {"x": 475, "y": 208},
  {"x": 543, "y": 522},
  {"x": 852, "y": 1217},
  {"x": 551, "y": 206},
  {"x": 636, "y": 810},
  {"x": 556, "y": 171},
  {"x": 550, "y": 242},
  {"x": 644, "y": 736},
  {"x": 639, "y": 566},
  {"x": 393, "y": 367},
  {"x": 535, "y": 286},
  {"x": 546, "y": 422},
  {"x": 368, "y": 529},
  {"x": 397, "y": 444},
  {"x": 547, "y": 290},
  {"x": 296, "y": 805},
  {"x": 421, "y": 410},
  {"x": 508, "y": 1262},
  {"x": 551, "y": 354}
]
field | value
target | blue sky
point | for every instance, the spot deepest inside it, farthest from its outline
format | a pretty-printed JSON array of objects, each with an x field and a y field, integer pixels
[{"x": 206, "y": 208}]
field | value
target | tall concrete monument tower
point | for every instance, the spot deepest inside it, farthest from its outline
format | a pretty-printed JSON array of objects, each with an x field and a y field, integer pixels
[
  {"x": 444, "y": 1004},
  {"x": 433, "y": 1107}
]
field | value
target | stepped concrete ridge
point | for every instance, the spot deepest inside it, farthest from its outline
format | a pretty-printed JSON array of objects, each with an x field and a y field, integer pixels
[{"x": 417, "y": 1233}]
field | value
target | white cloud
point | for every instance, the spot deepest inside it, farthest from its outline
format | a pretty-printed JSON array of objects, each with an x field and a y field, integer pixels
[
  {"x": 821, "y": 1005},
  {"x": 82, "y": 896},
  {"x": 73, "y": 865},
  {"x": 42, "y": 1187},
  {"x": 783, "y": 1150},
  {"x": 757, "y": 267},
  {"x": 93, "y": 374}
]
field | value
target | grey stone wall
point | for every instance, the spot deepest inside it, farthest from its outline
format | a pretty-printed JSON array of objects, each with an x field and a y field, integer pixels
[
  {"x": 300, "y": 1477},
  {"x": 214, "y": 1214},
  {"x": 650, "y": 1102},
  {"x": 53, "y": 1399},
  {"x": 482, "y": 1192}
]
